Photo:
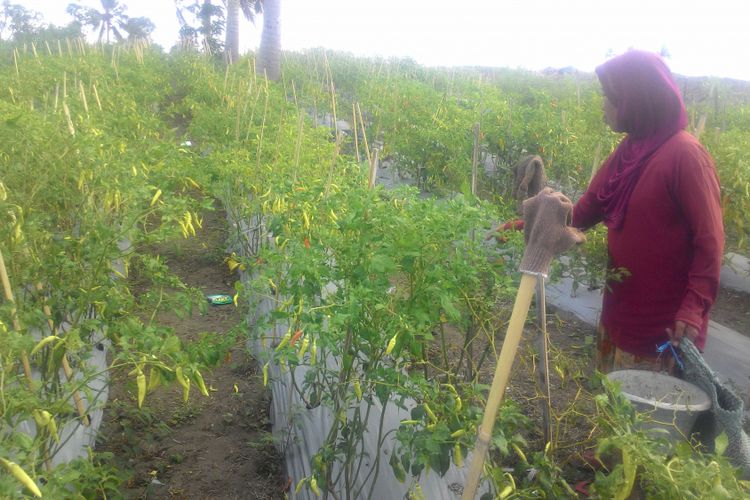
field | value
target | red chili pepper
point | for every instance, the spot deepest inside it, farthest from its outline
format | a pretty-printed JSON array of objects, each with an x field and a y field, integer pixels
[
  {"x": 307, "y": 242},
  {"x": 295, "y": 337},
  {"x": 517, "y": 225}
]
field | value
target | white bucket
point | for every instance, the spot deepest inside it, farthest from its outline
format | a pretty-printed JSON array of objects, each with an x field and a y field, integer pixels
[{"x": 673, "y": 404}]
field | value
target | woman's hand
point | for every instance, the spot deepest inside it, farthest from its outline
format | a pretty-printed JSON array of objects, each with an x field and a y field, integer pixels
[{"x": 682, "y": 329}]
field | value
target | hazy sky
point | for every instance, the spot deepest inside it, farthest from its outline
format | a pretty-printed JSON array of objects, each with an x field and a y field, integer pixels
[{"x": 706, "y": 37}]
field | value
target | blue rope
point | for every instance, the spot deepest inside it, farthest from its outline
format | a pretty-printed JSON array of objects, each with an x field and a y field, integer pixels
[{"x": 668, "y": 344}]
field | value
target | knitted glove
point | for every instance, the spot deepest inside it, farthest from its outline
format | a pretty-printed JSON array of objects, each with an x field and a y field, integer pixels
[{"x": 546, "y": 217}]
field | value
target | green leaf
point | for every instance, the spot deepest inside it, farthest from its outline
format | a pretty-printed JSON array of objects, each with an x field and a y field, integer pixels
[
  {"x": 501, "y": 443},
  {"x": 683, "y": 450},
  {"x": 450, "y": 310}
]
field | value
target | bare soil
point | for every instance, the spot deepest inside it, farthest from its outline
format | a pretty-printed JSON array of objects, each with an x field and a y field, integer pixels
[{"x": 208, "y": 448}]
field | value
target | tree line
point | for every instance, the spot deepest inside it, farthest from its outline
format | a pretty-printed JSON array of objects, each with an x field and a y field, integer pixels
[{"x": 205, "y": 25}]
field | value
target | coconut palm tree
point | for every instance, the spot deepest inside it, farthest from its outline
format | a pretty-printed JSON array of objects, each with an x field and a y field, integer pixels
[
  {"x": 210, "y": 20},
  {"x": 232, "y": 41},
  {"x": 269, "y": 53},
  {"x": 107, "y": 21}
]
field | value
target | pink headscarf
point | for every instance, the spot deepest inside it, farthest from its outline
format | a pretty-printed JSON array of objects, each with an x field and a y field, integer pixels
[{"x": 650, "y": 109}]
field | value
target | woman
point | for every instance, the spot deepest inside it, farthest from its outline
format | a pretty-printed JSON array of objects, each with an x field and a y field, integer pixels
[{"x": 658, "y": 195}]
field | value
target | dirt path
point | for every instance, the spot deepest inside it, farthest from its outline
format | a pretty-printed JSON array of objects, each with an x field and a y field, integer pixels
[{"x": 208, "y": 448}]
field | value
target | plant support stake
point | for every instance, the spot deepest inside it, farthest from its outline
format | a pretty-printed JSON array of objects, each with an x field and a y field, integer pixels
[
  {"x": 16, "y": 325},
  {"x": 546, "y": 233}
]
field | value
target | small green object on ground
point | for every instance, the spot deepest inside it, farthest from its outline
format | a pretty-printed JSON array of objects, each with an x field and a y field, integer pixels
[{"x": 219, "y": 299}]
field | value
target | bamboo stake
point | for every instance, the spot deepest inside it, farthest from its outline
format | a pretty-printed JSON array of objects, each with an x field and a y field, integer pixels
[
  {"x": 59, "y": 48},
  {"x": 96, "y": 95},
  {"x": 226, "y": 80},
  {"x": 83, "y": 98},
  {"x": 364, "y": 134},
  {"x": 356, "y": 133},
  {"x": 374, "y": 169},
  {"x": 543, "y": 368},
  {"x": 500, "y": 382},
  {"x": 333, "y": 96},
  {"x": 49, "y": 50},
  {"x": 298, "y": 146},
  {"x": 66, "y": 366},
  {"x": 701, "y": 126},
  {"x": 15, "y": 63},
  {"x": 337, "y": 135},
  {"x": 279, "y": 133},
  {"x": 238, "y": 117},
  {"x": 71, "y": 128},
  {"x": 475, "y": 160},
  {"x": 262, "y": 128},
  {"x": 8, "y": 291},
  {"x": 252, "y": 115},
  {"x": 294, "y": 94}
]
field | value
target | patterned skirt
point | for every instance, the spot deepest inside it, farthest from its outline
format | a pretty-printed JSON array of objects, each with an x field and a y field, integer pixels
[{"x": 611, "y": 358}]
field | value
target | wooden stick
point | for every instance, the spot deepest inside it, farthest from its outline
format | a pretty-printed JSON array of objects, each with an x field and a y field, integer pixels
[
  {"x": 356, "y": 133},
  {"x": 66, "y": 366},
  {"x": 83, "y": 97},
  {"x": 475, "y": 160},
  {"x": 96, "y": 95},
  {"x": 374, "y": 169},
  {"x": 364, "y": 134},
  {"x": 543, "y": 366},
  {"x": 500, "y": 382},
  {"x": 298, "y": 146},
  {"x": 15, "y": 63},
  {"x": 16, "y": 325},
  {"x": 71, "y": 128}
]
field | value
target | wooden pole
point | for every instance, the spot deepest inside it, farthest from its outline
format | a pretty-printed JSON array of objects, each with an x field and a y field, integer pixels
[
  {"x": 475, "y": 160},
  {"x": 298, "y": 146},
  {"x": 374, "y": 169},
  {"x": 364, "y": 134},
  {"x": 16, "y": 325},
  {"x": 542, "y": 371},
  {"x": 500, "y": 382},
  {"x": 356, "y": 133},
  {"x": 66, "y": 366}
]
